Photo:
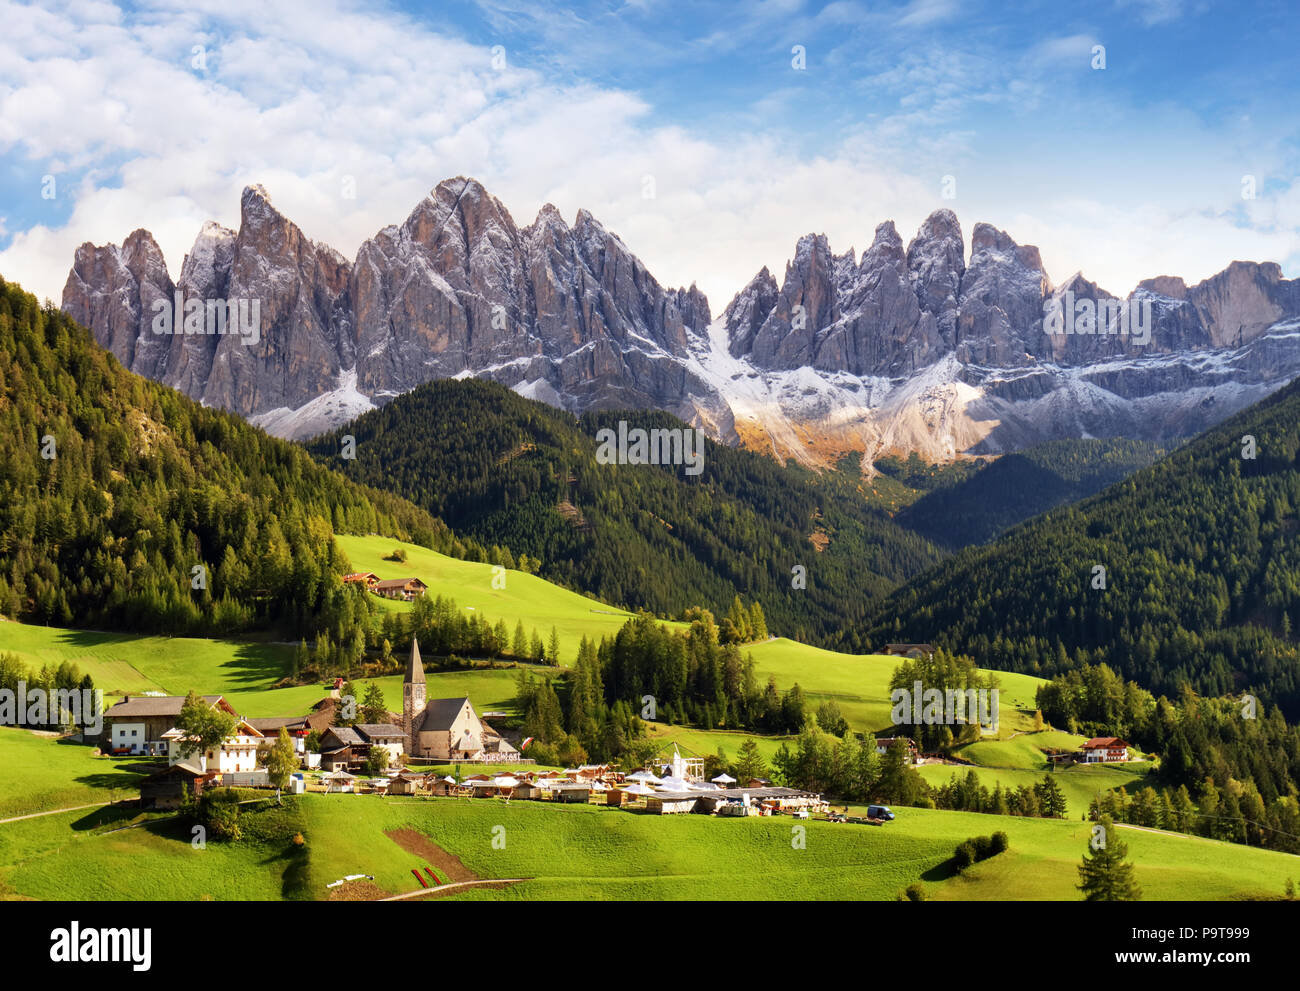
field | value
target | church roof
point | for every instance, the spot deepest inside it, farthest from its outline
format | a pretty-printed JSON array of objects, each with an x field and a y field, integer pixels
[
  {"x": 414, "y": 666},
  {"x": 439, "y": 714}
]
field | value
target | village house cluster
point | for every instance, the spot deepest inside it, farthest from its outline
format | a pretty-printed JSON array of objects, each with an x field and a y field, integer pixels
[{"x": 427, "y": 732}]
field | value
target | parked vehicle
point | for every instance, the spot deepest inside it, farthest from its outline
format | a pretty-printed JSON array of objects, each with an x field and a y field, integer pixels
[{"x": 883, "y": 812}]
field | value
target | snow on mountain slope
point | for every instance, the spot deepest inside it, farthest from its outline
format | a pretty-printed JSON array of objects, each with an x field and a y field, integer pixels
[
  {"x": 896, "y": 350},
  {"x": 325, "y": 412}
]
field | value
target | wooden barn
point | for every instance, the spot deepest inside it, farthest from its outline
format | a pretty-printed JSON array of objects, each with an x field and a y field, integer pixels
[{"x": 406, "y": 783}]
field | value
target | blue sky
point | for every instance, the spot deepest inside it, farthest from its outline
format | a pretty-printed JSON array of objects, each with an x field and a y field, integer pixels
[{"x": 1127, "y": 171}]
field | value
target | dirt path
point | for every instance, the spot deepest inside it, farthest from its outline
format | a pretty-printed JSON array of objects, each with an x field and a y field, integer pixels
[
  {"x": 1169, "y": 832},
  {"x": 417, "y": 843},
  {"x": 54, "y": 812},
  {"x": 481, "y": 883}
]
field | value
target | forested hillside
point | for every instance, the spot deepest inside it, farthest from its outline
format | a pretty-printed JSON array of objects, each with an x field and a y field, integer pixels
[
  {"x": 115, "y": 489},
  {"x": 510, "y": 471},
  {"x": 1020, "y": 485},
  {"x": 1201, "y": 581}
]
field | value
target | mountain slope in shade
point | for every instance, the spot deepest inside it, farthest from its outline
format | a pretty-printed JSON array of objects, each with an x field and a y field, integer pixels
[
  {"x": 912, "y": 347},
  {"x": 1201, "y": 553},
  {"x": 504, "y": 470},
  {"x": 1007, "y": 490}
]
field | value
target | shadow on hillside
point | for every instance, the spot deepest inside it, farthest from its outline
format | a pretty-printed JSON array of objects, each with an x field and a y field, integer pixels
[
  {"x": 106, "y": 817},
  {"x": 942, "y": 872},
  {"x": 106, "y": 780},
  {"x": 254, "y": 666},
  {"x": 295, "y": 881},
  {"x": 251, "y": 665}
]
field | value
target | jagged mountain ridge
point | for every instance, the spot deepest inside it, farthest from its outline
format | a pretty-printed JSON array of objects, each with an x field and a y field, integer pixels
[
  {"x": 566, "y": 315},
  {"x": 914, "y": 348}
]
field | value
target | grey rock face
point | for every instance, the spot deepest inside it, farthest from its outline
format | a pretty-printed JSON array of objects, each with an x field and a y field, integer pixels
[
  {"x": 457, "y": 287},
  {"x": 747, "y": 312},
  {"x": 113, "y": 290},
  {"x": 915, "y": 348},
  {"x": 936, "y": 264}
]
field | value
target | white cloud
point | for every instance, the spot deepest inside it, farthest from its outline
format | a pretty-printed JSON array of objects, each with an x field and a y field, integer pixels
[{"x": 920, "y": 12}]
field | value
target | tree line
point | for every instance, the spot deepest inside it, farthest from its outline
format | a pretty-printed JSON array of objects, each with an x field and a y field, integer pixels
[
  {"x": 518, "y": 474},
  {"x": 1199, "y": 580},
  {"x": 126, "y": 505}
]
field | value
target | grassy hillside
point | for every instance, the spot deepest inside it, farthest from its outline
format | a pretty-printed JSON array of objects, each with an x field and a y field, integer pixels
[
  {"x": 589, "y": 852},
  {"x": 535, "y": 602},
  {"x": 41, "y": 774},
  {"x": 130, "y": 663},
  {"x": 1080, "y": 784},
  {"x": 859, "y": 684}
]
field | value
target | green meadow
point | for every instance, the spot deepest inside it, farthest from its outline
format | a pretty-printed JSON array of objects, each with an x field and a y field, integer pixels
[
  {"x": 124, "y": 662},
  {"x": 1024, "y": 750},
  {"x": 859, "y": 683},
  {"x": 588, "y": 852},
  {"x": 1080, "y": 784},
  {"x": 565, "y": 852},
  {"x": 526, "y": 598},
  {"x": 39, "y": 773}
]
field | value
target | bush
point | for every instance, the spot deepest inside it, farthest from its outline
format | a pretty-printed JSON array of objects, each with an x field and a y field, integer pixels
[
  {"x": 218, "y": 810},
  {"x": 915, "y": 892},
  {"x": 979, "y": 848}
]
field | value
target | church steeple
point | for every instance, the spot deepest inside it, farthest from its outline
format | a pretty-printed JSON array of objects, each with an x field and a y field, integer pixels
[
  {"x": 414, "y": 697},
  {"x": 414, "y": 666}
]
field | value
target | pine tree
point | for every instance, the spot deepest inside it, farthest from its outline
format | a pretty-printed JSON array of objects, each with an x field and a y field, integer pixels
[
  {"x": 373, "y": 708},
  {"x": 749, "y": 763},
  {"x": 1051, "y": 799},
  {"x": 1104, "y": 874},
  {"x": 553, "y": 649}
]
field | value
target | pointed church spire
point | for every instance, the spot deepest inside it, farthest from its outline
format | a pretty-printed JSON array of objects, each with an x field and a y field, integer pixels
[{"x": 414, "y": 667}]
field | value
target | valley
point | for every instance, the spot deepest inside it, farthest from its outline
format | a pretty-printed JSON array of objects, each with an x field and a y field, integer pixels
[{"x": 531, "y": 562}]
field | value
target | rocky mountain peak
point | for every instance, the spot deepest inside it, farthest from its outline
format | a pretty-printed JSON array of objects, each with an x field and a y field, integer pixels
[
  {"x": 1171, "y": 286},
  {"x": 747, "y": 311},
  {"x": 936, "y": 264},
  {"x": 886, "y": 244},
  {"x": 906, "y": 349}
]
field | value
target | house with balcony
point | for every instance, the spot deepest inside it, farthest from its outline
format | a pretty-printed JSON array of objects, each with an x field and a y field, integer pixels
[{"x": 138, "y": 725}]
